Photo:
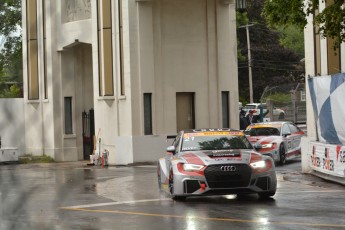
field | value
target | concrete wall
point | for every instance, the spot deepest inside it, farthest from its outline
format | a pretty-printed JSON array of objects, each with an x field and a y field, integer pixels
[{"x": 12, "y": 127}]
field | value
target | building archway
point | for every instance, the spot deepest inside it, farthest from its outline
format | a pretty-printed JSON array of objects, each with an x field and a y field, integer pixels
[{"x": 77, "y": 86}]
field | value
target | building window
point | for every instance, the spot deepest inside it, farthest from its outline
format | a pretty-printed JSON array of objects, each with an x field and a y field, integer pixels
[
  {"x": 68, "y": 115},
  {"x": 147, "y": 113},
  {"x": 32, "y": 50},
  {"x": 122, "y": 75},
  {"x": 105, "y": 48},
  {"x": 45, "y": 50},
  {"x": 225, "y": 109},
  {"x": 302, "y": 95}
]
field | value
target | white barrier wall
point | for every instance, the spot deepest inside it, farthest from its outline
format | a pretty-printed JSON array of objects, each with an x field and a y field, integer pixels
[
  {"x": 12, "y": 130},
  {"x": 327, "y": 158}
]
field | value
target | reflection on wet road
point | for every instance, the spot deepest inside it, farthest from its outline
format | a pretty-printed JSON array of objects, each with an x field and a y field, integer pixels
[{"x": 74, "y": 196}]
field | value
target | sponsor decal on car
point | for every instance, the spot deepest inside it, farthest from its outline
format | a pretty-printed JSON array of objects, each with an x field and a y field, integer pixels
[
  {"x": 265, "y": 126},
  {"x": 231, "y": 133}
]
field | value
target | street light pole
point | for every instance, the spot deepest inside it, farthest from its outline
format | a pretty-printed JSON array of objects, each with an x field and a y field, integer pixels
[
  {"x": 249, "y": 67},
  {"x": 249, "y": 64}
]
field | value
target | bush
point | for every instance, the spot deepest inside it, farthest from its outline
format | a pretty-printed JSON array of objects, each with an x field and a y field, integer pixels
[
  {"x": 279, "y": 97},
  {"x": 29, "y": 158}
]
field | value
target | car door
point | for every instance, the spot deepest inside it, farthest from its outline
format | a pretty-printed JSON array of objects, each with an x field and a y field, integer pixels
[
  {"x": 288, "y": 138},
  {"x": 296, "y": 135}
]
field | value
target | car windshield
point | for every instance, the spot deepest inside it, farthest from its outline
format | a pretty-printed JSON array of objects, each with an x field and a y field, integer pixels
[
  {"x": 250, "y": 107},
  {"x": 221, "y": 142},
  {"x": 254, "y": 106},
  {"x": 263, "y": 131}
]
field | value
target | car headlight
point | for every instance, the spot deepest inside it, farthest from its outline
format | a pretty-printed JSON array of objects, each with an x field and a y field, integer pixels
[
  {"x": 267, "y": 146},
  {"x": 261, "y": 166},
  {"x": 258, "y": 164},
  {"x": 192, "y": 167}
]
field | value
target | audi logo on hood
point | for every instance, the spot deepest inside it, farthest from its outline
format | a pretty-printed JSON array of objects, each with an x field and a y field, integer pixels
[{"x": 228, "y": 168}]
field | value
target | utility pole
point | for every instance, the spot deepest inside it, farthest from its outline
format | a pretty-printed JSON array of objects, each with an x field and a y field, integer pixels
[{"x": 249, "y": 63}]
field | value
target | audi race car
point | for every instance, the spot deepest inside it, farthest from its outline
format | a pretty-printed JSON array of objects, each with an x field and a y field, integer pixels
[
  {"x": 281, "y": 140},
  {"x": 215, "y": 162}
]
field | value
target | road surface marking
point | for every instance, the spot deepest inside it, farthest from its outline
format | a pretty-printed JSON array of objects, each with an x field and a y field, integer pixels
[
  {"x": 205, "y": 218},
  {"x": 112, "y": 203}
]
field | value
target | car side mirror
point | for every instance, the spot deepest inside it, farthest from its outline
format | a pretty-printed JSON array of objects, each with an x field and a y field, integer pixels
[
  {"x": 257, "y": 146},
  {"x": 171, "y": 149},
  {"x": 286, "y": 134}
]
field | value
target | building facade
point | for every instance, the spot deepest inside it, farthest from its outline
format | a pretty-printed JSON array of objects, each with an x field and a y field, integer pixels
[
  {"x": 121, "y": 75},
  {"x": 325, "y": 67}
]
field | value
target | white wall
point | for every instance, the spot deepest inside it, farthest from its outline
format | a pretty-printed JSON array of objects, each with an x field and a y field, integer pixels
[
  {"x": 12, "y": 127},
  {"x": 168, "y": 47}
]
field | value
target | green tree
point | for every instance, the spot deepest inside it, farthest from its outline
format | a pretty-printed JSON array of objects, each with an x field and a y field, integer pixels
[
  {"x": 292, "y": 37},
  {"x": 291, "y": 12},
  {"x": 11, "y": 44},
  {"x": 272, "y": 63}
]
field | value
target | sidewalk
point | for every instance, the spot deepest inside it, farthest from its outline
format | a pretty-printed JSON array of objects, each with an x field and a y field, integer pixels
[{"x": 314, "y": 178}]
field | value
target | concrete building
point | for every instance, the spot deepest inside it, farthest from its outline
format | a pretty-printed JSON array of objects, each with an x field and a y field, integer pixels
[{"x": 147, "y": 68}]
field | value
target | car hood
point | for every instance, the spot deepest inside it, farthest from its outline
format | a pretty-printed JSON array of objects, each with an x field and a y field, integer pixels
[
  {"x": 220, "y": 156},
  {"x": 262, "y": 139}
]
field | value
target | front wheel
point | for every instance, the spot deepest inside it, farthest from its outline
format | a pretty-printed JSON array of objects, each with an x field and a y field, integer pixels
[
  {"x": 171, "y": 182},
  {"x": 282, "y": 155},
  {"x": 179, "y": 198},
  {"x": 159, "y": 177},
  {"x": 266, "y": 195},
  {"x": 171, "y": 188}
]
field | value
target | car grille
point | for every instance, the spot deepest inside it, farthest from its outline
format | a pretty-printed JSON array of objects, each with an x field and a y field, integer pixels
[
  {"x": 264, "y": 183},
  {"x": 190, "y": 186},
  {"x": 216, "y": 178}
]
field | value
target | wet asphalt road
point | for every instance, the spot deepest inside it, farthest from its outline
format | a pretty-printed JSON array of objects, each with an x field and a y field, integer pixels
[{"x": 77, "y": 196}]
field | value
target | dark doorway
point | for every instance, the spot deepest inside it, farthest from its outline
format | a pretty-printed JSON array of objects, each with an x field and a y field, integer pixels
[
  {"x": 185, "y": 111},
  {"x": 88, "y": 133}
]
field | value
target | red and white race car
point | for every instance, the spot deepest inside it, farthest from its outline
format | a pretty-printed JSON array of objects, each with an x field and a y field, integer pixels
[
  {"x": 215, "y": 162},
  {"x": 280, "y": 140}
]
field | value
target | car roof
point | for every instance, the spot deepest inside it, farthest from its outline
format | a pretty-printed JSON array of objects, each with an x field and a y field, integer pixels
[
  {"x": 210, "y": 130},
  {"x": 271, "y": 123}
]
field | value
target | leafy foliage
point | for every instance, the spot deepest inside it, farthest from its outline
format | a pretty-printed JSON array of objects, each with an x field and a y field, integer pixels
[
  {"x": 292, "y": 37},
  {"x": 272, "y": 63},
  {"x": 29, "y": 158},
  {"x": 330, "y": 22},
  {"x": 285, "y": 12},
  {"x": 11, "y": 47},
  {"x": 12, "y": 92},
  {"x": 279, "y": 97}
]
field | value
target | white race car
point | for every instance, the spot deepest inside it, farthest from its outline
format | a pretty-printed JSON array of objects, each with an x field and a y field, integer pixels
[
  {"x": 280, "y": 140},
  {"x": 215, "y": 162}
]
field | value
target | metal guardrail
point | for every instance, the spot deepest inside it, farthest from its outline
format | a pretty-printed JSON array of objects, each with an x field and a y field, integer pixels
[{"x": 295, "y": 112}]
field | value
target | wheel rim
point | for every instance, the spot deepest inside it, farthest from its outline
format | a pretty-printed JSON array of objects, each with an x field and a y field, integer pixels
[{"x": 282, "y": 154}]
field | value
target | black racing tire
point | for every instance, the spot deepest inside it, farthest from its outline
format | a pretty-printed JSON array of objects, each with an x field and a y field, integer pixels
[
  {"x": 242, "y": 196},
  {"x": 179, "y": 198},
  {"x": 282, "y": 154},
  {"x": 159, "y": 177},
  {"x": 171, "y": 182},
  {"x": 281, "y": 116},
  {"x": 171, "y": 188},
  {"x": 266, "y": 195}
]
